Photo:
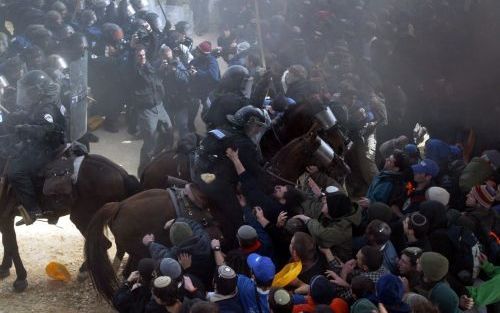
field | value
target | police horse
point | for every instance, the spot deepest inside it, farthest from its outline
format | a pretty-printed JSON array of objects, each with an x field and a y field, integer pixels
[
  {"x": 148, "y": 211},
  {"x": 74, "y": 184}
]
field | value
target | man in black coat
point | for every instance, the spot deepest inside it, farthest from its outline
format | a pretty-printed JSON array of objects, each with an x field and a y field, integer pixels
[{"x": 146, "y": 95}]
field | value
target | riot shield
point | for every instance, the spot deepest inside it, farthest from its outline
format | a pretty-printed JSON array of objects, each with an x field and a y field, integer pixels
[{"x": 77, "y": 115}]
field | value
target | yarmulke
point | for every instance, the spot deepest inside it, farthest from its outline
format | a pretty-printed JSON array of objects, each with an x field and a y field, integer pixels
[
  {"x": 162, "y": 282},
  {"x": 438, "y": 194},
  {"x": 226, "y": 272},
  {"x": 282, "y": 297},
  {"x": 332, "y": 189}
]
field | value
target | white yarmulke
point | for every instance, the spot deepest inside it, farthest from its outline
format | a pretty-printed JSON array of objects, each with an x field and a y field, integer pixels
[
  {"x": 162, "y": 282},
  {"x": 331, "y": 189},
  {"x": 282, "y": 297},
  {"x": 438, "y": 194}
]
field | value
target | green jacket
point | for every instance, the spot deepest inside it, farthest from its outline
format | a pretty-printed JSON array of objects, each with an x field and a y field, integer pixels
[
  {"x": 335, "y": 234},
  {"x": 489, "y": 291},
  {"x": 475, "y": 173}
]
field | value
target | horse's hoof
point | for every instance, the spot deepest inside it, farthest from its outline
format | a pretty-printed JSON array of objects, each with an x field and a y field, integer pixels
[
  {"x": 82, "y": 276},
  {"x": 4, "y": 272},
  {"x": 20, "y": 285}
]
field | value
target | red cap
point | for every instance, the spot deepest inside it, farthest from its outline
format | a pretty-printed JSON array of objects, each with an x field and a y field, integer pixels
[{"x": 205, "y": 47}]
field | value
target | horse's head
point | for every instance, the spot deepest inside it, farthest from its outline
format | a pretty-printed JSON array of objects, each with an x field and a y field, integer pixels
[{"x": 419, "y": 133}]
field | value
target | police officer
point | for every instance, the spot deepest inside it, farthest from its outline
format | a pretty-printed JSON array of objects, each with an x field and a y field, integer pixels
[
  {"x": 40, "y": 125},
  {"x": 214, "y": 172},
  {"x": 146, "y": 95}
]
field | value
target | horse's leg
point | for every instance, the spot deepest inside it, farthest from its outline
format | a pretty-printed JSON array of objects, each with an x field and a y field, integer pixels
[
  {"x": 9, "y": 233},
  {"x": 117, "y": 261},
  {"x": 7, "y": 257}
]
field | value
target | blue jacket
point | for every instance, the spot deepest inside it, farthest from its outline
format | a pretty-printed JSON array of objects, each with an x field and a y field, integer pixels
[
  {"x": 383, "y": 187},
  {"x": 247, "y": 294},
  {"x": 207, "y": 76}
]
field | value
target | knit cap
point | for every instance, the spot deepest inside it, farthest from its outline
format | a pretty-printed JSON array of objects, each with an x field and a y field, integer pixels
[
  {"x": 484, "y": 195},
  {"x": 438, "y": 194},
  {"x": 322, "y": 291},
  {"x": 180, "y": 232},
  {"x": 434, "y": 266},
  {"x": 170, "y": 267},
  {"x": 205, "y": 47},
  {"x": 247, "y": 232},
  {"x": 363, "y": 306},
  {"x": 379, "y": 211}
]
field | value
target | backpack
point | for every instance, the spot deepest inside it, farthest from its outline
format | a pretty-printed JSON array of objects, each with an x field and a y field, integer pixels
[{"x": 465, "y": 262}]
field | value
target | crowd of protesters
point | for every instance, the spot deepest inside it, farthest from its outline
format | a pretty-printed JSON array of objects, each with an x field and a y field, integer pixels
[{"x": 418, "y": 233}]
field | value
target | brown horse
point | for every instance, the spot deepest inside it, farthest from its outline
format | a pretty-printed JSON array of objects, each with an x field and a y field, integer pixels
[
  {"x": 99, "y": 181},
  {"x": 296, "y": 122},
  {"x": 170, "y": 163},
  {"x": 148, "y": 211}
]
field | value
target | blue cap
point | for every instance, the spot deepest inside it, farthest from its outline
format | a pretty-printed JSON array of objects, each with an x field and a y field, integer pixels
[
  {"x": 411, "y": 149},
  {"x": 262, "y": 267},
  {"x": 426, "y": 166}
]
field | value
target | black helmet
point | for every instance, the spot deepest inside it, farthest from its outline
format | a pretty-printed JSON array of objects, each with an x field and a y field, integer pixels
[
  {"x": 139, "y": 4},
  {"x": 154, "y": 21},
  {"x": 249, "y": 115},
  {"x": 235, "y": 78},
  {"x": 182, "y": 27},
  {"x": 34, "y": 84}
]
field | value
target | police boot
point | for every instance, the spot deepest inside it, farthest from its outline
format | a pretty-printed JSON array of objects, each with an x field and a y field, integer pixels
[{"x": 29, "y": 217}]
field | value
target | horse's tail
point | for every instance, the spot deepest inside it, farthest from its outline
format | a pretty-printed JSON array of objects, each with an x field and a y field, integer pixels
[
  {"x": 96, "y": 255},
  {"x": 132, "y": 185}
]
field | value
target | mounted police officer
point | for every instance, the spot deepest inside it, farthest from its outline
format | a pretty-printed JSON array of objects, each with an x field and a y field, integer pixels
[
  {"x": 40, "y": 127},
  {"x": 213, "y": 171}
]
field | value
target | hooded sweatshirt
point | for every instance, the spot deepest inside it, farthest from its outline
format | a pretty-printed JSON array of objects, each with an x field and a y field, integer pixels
[{"x": 335, "y": 233}]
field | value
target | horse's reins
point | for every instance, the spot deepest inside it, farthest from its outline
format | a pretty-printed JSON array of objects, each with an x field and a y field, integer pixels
[{"x": 289, "y": 182}]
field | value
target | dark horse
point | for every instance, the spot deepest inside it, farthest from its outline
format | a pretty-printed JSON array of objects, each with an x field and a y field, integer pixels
[
  {"x": 299, "y": 119},
  {"x": 148, "y": 211},
  {"x": 99, "y": 181}
]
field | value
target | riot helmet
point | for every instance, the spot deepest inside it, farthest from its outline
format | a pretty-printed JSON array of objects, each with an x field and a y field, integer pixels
[
  {"x": 34, "y": 57},
  {"x": 183, "y": 27},
  {"x": 56, "y": 62},
  {"x": 33, "y": 86},
  {"x": 154, "y": 21},
  {"x": 53, "y": 20},
  {"x": 237, "y": 79},
  {"x": 253, "y": 121},
  {"x": 139, "y": 4},
  {"x": 60, "y": 7},
  {"x": 249, "y": 115},
  {"x": 125, "y": 10}
]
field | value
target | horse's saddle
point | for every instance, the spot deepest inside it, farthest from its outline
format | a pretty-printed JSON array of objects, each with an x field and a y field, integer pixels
[
  {"x": 59, "y": 175},
  {"x": 185, "y": 207}
]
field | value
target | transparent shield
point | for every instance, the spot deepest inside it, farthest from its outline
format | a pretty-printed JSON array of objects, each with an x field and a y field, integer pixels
[{"x": 78, "y": 85}]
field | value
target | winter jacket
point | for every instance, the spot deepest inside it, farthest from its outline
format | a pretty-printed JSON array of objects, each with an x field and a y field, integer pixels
[
  {"x": 475, "y": 173},
  {"x": 145, "y": 87},
  {"x": 126, "y": 300},
  {"x": 198, "y": 246},
  {"x": 248, "y": 293},
  {"x": 488, "y": 292},
  {"x": 445, "y": 298},
  {"x": 337, "y": 233},
  {"x": 207, "y": 76},
  {"x": 226, "y": 304},
  {"x": 265, "y": 246},
  {"x": 387, "y": 187}
]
